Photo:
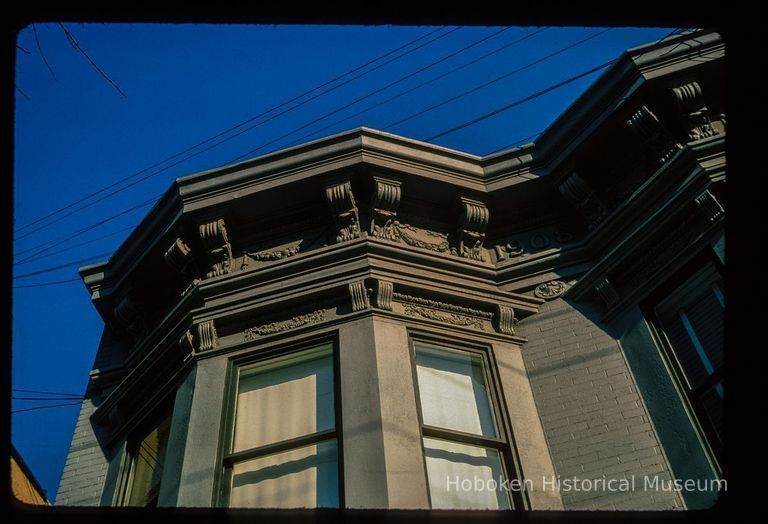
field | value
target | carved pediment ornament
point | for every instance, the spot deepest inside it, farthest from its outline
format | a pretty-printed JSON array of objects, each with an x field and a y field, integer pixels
[
  {"x": 580, "y": 195},
  {"x": 550, "y": 290},
  {"x": 473, "y": 222},
  {"x": 693, "y": 111},
  {"x": 646, "y": 125},
  {"x": 384, "y": 204},
  {"x": 217, "y": 246},
  {"x": 344, "y": 209}
]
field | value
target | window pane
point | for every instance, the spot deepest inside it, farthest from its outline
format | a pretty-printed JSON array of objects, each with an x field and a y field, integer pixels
[
  {"x": 300, "y": 478},
  {"x": 284, "y": 398},
  {"x": 464, "y": 477},
  {"x": 148, "y": 461},
  {"x": 453, "y": 391}
]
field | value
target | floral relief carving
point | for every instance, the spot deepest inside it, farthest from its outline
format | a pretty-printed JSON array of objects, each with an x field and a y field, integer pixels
[
  {"x": 284, "y": 325},
  {"x": 450, "y": 318},
  {"x": 550, "y": 290}
]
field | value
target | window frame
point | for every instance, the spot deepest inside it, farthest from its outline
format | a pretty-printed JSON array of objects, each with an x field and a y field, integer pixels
[
  {"x": 133, "y": 440},
  {"x": 680, "y": 284},
  {"x": 504, "y": 442},
  {"x": 226, "y": 459}
]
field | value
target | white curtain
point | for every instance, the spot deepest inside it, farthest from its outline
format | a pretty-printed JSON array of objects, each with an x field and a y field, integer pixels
[
  {"x": 453, "y": 391},
  {"x": 300, "y": 478},
  {"x": 284, "y": 399},
  {"x": 464, "y": 477}
]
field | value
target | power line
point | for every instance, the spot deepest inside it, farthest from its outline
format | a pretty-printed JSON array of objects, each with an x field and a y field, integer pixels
[
  {"x": 521, "y": 101},
  {"x": 497, "y": 79},
  {"x": 27, "y": 51},
  {"x": 85, "y": 229},
  {"x": 40, "y": 50},
  {"x": 46, "y": 284},
  {"x": 419, "y": 86},
  {"x": 75, "y": 246},
  {"x": 79, "y": 48},
  {"x": 57, "y": 399},
  {"x": 46, "y": 407},
  {"x": 39, "y": 391},
  {"x": 25, "y": 95},
  {"x": 62, "y": 266},
  {"x": 251, "y": 119}
]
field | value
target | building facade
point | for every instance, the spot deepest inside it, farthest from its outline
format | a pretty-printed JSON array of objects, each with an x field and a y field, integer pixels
[{"x": 370, "y": 321}]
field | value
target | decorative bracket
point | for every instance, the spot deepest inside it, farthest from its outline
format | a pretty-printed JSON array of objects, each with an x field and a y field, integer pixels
[
  {"x": 693, "y": 111},
  {"x": 646, "y": 125},
  {"x": 709, "y": 205},
  {"x": 504, "y": 319},
  {"x": 359, "y": 296},
  {"x": 207, "y": 336},
  {"x": 473, "y": 222},
  {"x": 127, "y": 314},
  {"x": 344, "y": 210},
  {"x": 382, "y": 295},
  {"x": 384, "y": 204},
  {"x": 179, "y": 258},
  {"x": 581, "y": 196},
  {"x": 217, "y": 246},
  {"x": 607, "y": 291}
]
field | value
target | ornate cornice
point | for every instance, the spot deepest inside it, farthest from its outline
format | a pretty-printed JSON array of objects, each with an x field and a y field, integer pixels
[
  {"x": 344, "y": 210},
  {"x": 384, "y": 204},
  {"x": 216, "y": 242}
]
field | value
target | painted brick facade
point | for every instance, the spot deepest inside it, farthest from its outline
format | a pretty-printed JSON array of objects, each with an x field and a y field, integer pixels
[{"x": 594, "y": 420}]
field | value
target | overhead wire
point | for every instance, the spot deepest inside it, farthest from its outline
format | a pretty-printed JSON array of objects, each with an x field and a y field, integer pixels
[{"x": 244, "y": 122}]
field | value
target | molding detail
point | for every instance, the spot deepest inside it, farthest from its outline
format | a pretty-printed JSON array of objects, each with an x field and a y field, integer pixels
[
  {"x": 450, "y": 318},
  {"x": 581, "y": 196},
  {"x": 550, "y": 290},
  {"x": 646, "y": 125},
  {"x": 284, "y": 325},
  {"x": 344, "y": 210},
  {"x": 473, "y": 222},
  {"x": 127, "y": 314},
  {"x": 709, "y": 205},
  {"x": 187, "y": 342},
  {"x": 178, "y": 256},
  {"x": 217, "y": 245},
  {"x": 693, "y": 111},
  {"x": 277, "y": 254},
  {"x": 505, "y": 319},
  {"x": 384, "y": 204},
  {"x": 442, "y": 305},
  {"x": 207, "y": 336},
  {"x": 359, "y": 296},
  {"x": 382, "y": 295},
  {"x": 607, "y": 292}
]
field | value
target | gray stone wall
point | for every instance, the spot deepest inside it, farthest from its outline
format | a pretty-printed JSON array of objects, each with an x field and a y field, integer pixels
[{"x": 594, "y": 419}]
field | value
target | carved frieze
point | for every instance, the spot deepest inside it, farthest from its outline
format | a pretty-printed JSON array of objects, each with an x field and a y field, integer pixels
[
  {"x": 550, "y": 290},
  {"x": 127, "y": 314},
  {"x": 422, "y": 238},
  {"x": 646, "y": 125},
  {"x": 580, "y": 195},
  {"x": 218, "y": 248},
  {"x": 384, "y": 204},
  {"x": 470, "y": 234},
  {"x": 345, "y": 215},
  {"x": 449, "y": 318},
  {"x": 359, "y": 296},
  {"x": 284, "y": 325},
  {"x": 382, "y": 295},
  {"x": 505, "y": 319},
  {"x": 693, "y": 111},
  {"x": 436, "y": 304}
]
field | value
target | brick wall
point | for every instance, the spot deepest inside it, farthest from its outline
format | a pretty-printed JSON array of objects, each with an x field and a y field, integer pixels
[
  {"x": 594, "y": 420},
  {"x": 83, "y": 477}
]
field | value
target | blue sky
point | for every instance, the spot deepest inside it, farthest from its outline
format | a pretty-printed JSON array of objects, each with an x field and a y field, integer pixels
[{"x": 75, "y": 133}]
